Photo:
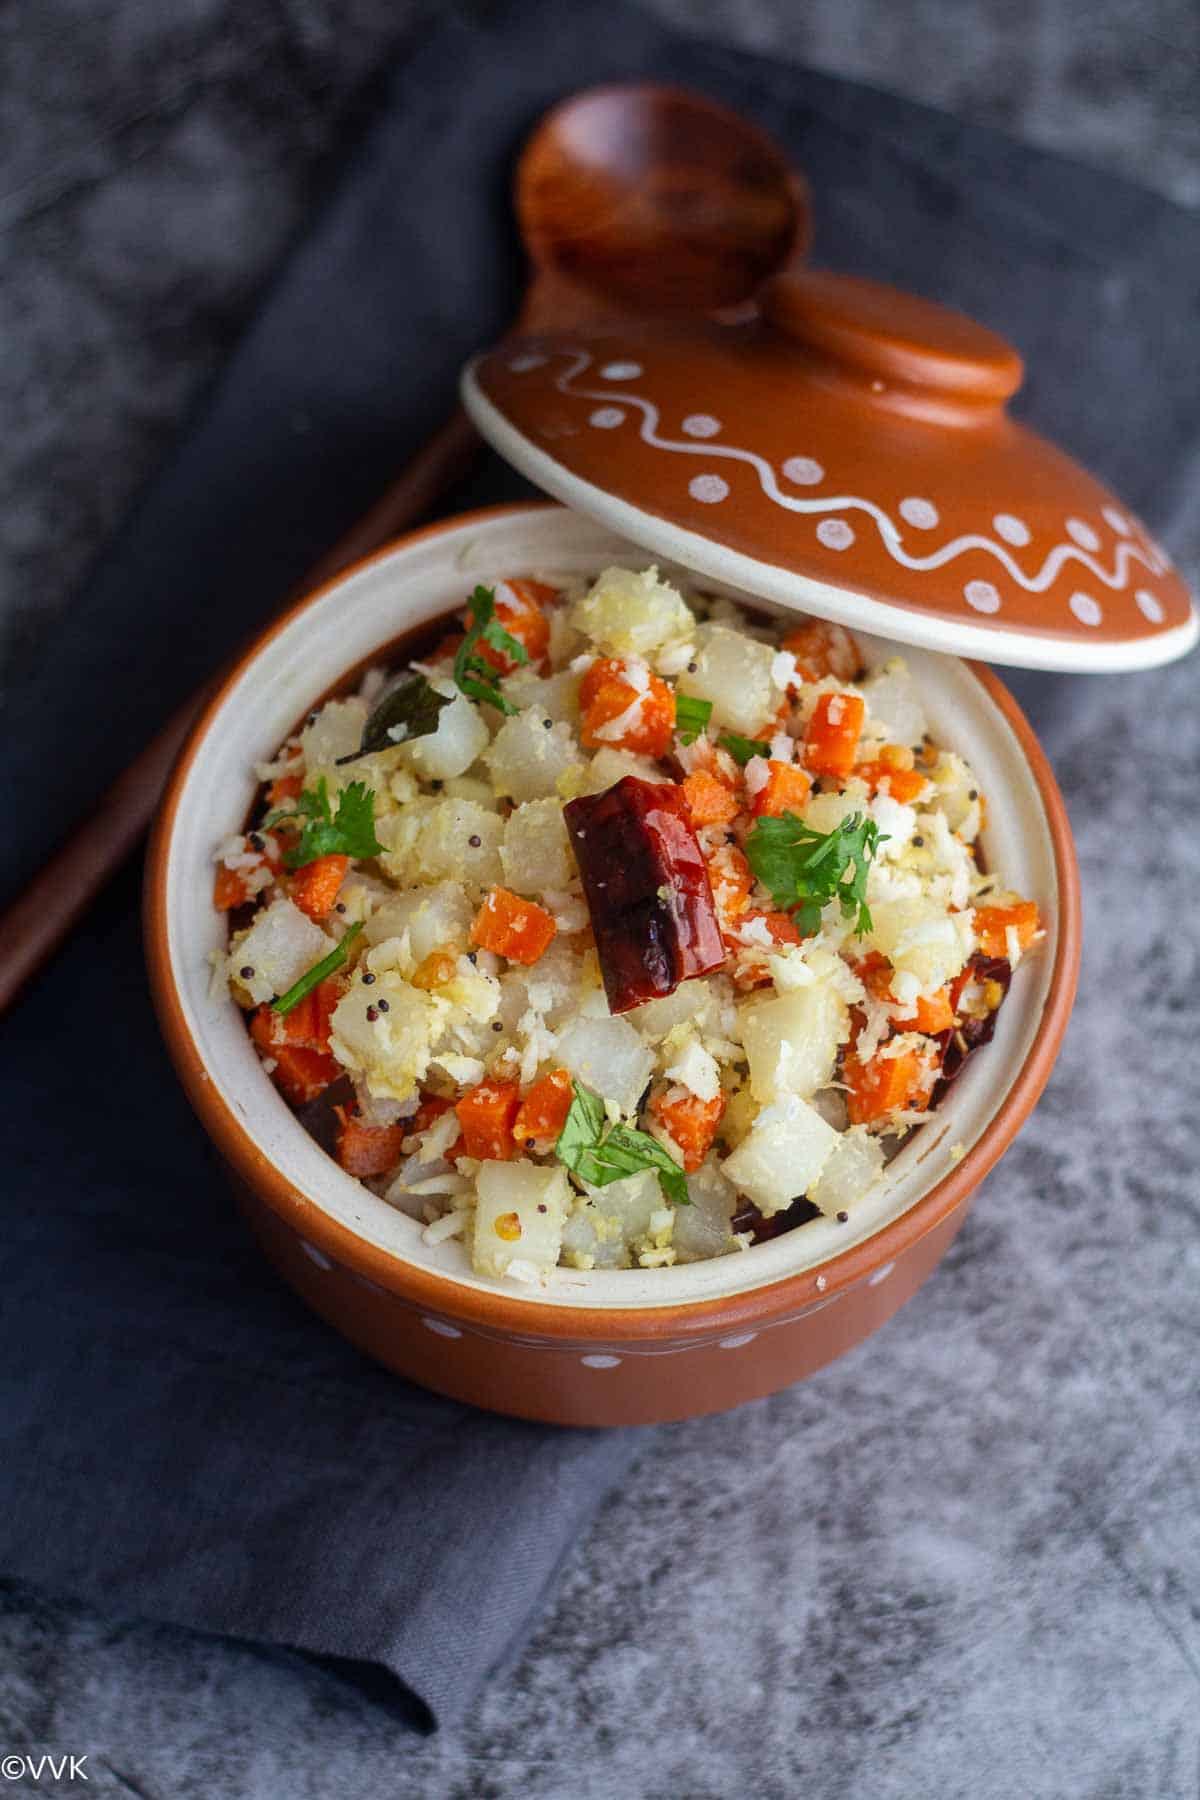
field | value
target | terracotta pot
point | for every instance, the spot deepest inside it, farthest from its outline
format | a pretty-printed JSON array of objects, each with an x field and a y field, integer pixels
[{"x": 605, "y": 1347}]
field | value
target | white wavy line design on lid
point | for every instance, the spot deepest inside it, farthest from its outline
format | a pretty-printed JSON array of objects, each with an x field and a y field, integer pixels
[{"x": 1072, "y": 551}]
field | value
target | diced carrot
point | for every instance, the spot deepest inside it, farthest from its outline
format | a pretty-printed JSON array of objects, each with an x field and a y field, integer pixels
[
  {"x": 512, "y": 927},
  {"x": 893, "y": 771},
  {"x": 605, "y": 694},
  {"x": 931, "y": 1012},
  {"x": 993, "y": 924},
  {"x": 229, "y": 890},
  {"x": 731, "y": 879},
  {"x": 710, "y": 802},
  {"x": 752, "y": 971},
  {"x": 300, "y": 1073},
  {"x": 543, "y": 1111},
  {"x": 366, "y": 1149},
  {"x": 902, "y": 784},
  {"x": 885, "y": 1084},
  {"x": 831, "y": 741},
  {"x": 823, "y": 649},
  {"x": 486, "y": 1114},
  {"x": 786, "y": 790},
  {"x": 315, "y": 886},
  {"x": 690, "y": 1122},
  {"x": 520, "y": 609}
]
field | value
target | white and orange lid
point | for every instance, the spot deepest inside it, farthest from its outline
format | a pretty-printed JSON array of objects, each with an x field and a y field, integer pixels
[{"x": 843, "y": 448}]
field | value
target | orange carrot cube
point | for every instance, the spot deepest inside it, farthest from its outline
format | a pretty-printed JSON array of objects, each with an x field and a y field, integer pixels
[
  {"x": 690, "y": 1122},
  {"x": 605, "y": 695},
  {"x": 486, "y": 1114},
  {"x": 786, "y": 790},
  {"x": 885, "y": 1084},
  {"x": 543, "y": 1111},
  {"x": 831, "y": 741},
  {"x": 993, "y": 923},
  {"x": 512, "y": 927},
  {"x": 367, "y": 1149},
  {"x": 315, "y": 886},
  {"x": 710, "y": 801}
]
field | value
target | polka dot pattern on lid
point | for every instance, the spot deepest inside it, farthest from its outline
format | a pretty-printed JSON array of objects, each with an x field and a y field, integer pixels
[
  {"x": 621, "y": 371},
  {"x": 600, "y": 1362},
  {"x": 1086, "y": 610},
  {"x": 923, "y": 514},
  {"x": 1149, "y": 607},
  {"x": 805, "y": 471},
  {"x": 1011, "y": 529},
  {"x": 1082, "y": 534},
  {"x": 701, "y": 425},
  {"x": 835, "y": 534},
  {"x": 983, "y": 596},
  {"x": 606, "y": 417},
  {"x": 708, "y": 488}
]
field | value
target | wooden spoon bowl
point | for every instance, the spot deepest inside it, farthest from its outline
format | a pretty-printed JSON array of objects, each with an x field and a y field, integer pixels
[{"x": 654, "y": 200}]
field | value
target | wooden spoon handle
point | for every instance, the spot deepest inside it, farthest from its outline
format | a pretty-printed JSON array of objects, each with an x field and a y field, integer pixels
[{"x": 34, "y": 925}]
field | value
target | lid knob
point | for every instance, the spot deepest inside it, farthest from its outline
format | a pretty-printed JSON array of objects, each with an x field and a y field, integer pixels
[{"x": 920, "y": 355}]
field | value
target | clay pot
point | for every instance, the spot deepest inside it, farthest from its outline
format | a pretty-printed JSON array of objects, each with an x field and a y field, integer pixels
[{"x": 605, "y": 1347}]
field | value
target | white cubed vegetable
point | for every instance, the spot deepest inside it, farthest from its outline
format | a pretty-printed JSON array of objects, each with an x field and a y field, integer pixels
[
  {"x": 655, "y": 1018},
  {"x": 617, "y": 1217},
  {"x": 436, "y": 918},
  {"x": 526, "y": 760},
  {"x": 390, "y": 1052},
  {"x": 554, "y": 696},
  {"x": 792, "y": 1040},
  {"x": 282, "y": 945},
  {"x": 781, "y": 1155},
  {"x": 825, "y": 812},
  {"x": 536, "y": 852},
  {"x": 519, "y": 1214},
  {"x": 734, "y": 672},
  {"x": 893, "y": 702},
  {"x": 461, "y": 737},
  {"x": 921, "y": 938},
  {"x": 852, "y": 1170},
  {"x": 630, "y": 614},
  {"x": 694, "y": 1068},
  {"x": 472, "y": 787},
  {"x": 445, "y": 848},
  {"x": 703, "y": 1228},
  {"x": 608, "y": 766},
  {"x": 608, "y": 1056},
  {"x": 336, "y": 731}
]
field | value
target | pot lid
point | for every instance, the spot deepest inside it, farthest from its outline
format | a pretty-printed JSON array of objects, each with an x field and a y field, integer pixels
[{"x": 842, "y": 448}]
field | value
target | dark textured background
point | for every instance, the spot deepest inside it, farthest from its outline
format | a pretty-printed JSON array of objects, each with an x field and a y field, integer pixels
[{"x": 872, "y": 1586}]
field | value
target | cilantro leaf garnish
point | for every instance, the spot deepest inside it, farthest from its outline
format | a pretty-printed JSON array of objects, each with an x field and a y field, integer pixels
[
  {"x": 601, "y": 1153},
  {"x": 409, "y": 710},
  {"x": 741, "y": 748},
  {"x": 805, "y": 869},
  {"x": 691, "y": 716},
  {"x": 348, "y": 832},
  {"x": 316, "y": 975},
  {"x": 476, "y": 677}
]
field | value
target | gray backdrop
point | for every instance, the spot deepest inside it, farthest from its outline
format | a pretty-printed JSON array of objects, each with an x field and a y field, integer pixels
[{"x": 1037, "y": 1636}]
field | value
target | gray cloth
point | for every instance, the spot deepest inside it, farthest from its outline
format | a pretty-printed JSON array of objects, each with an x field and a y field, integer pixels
[{"x": 181, "y": 1440}]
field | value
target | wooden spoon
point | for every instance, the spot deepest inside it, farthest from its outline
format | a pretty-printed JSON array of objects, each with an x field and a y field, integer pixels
[{"x": 636, "y": 199}]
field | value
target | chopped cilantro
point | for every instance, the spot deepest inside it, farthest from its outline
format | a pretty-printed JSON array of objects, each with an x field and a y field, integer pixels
[
  {"x": 476, "y": 677},
  {"x": 805, "y": 869},
  {"x": 349, "y": 832},
  {"x": 600, "y": 1153}
]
